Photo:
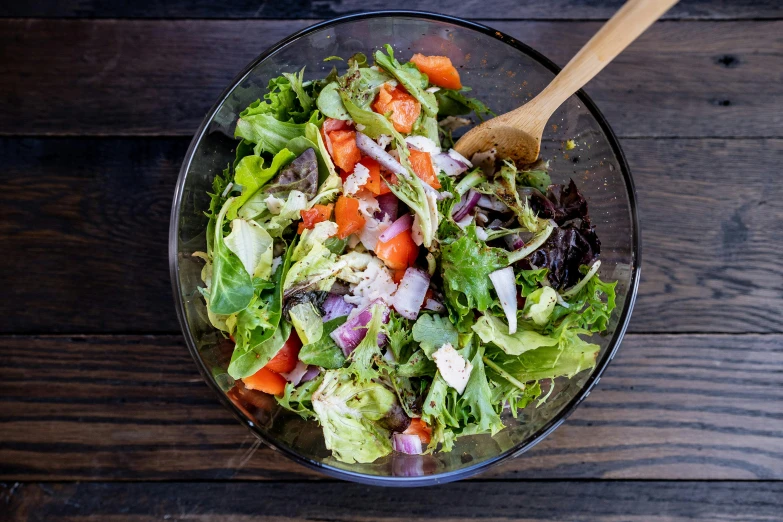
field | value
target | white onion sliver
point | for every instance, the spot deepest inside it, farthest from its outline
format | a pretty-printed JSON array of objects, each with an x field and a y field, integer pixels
[
  {"x": 449, "y": 165},
  {"x": 295, "y": 376},
  {"x": 409, "y": 297},
  {"x": 376, "y": 152},
  {"x": 423, "y": 143},
  {"x": 435, "y": 306},
  {"x": 398, "y": 227},
  {"x": 407, "y": 443},
  {"x": 506, "y": 288},
  {"x": 459, "y": 157},
  {"x": 492, "y": 203}
]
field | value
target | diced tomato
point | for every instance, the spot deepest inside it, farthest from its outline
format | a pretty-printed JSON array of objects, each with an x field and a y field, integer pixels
[
  {"x": 267, "y": 381},
  {"x": 439, "y": 70},
  {"x": 313, "y": 216},
  {"x": 405, "y": 109},
  {"x": 347, "y": 216},
  {"x": 345, "y": 153},
  {"x": 399, "y": 252},
  {"x": 420, "y": 428},
  {"x": 422, "y": 166},
  {"x": 329, "y": 125},
  {"x": 287, "y": 357},
  {"x": 428, "y": 295},
  {"x": 375, "y": 183},
  {"x": 397, "y": 275}
]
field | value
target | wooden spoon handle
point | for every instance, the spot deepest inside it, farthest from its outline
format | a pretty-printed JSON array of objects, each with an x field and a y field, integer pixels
[{"x": 624, "y": 27}]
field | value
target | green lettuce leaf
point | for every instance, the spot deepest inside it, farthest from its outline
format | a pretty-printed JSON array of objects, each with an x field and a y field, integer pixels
[
  {"x": 318, "y": 267},
  {"x": 417, "y": 365},
  {"x": 298, "y": 399},
  {"x": 540, "y": 304},
  {"x": 591, "y": 308},
  {"x": 231, "y": 288},
  {"x": 260, "y": 324},
  {"x": 398, "y": 331},
  {"x": 296, "y": 80},
  {"x": 493, "y": 330},
  {"x": 365, "y": 355},
  {"x": 569, "y": 356},
  {"x": 325, "y": 353},
  {"x": 455, "y": 103},
  {"x": 307, "y": 321},
  {"x": 252, "y": 245},
  {"x": 245, "y": 363},
  {"x": 331, "y": 104},
  {"x": 433, "y": 331},
  {"x": 348, "y": 413},
  {"x": 252, "y": 175},
  {"x": 268, "y": 133},
  {"x": 282, "y": 101},
  {"x": 531, "y": 280},
  {"x": 466, "y": 264}
]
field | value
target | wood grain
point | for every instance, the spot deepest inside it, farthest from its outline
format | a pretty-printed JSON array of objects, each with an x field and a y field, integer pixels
[
  {"x": 520, "y": 501},
  {"x": 498, "y": 9},
  {"x": 135, "y": 77},
  {"x": 135, "y": 408},
  {"x": 85, "y": 235}
]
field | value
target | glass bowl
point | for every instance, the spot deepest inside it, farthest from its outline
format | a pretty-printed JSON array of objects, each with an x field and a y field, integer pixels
[{"x": 504, "y": 73}]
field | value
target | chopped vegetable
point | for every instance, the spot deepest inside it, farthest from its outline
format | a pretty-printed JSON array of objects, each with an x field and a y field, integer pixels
[
  {"x": 267, "y": 381},
  {"x": 439, "y": 70},
  {"x": 349, "y": 219},
  {"x": 379, "y": 283},
  {"x": 398, "y": 252}
]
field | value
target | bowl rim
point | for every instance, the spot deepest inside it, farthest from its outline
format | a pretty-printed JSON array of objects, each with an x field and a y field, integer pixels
[{"x": 544, "y": 431}]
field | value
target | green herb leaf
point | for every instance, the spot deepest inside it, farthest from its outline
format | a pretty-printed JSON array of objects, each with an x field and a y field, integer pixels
[
  {"x": 433, "y": 331},
  {"x": 325, "y": 353}
]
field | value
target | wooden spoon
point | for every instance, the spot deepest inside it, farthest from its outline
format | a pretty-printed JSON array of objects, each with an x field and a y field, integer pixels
[{"x": 517, "y": 134}]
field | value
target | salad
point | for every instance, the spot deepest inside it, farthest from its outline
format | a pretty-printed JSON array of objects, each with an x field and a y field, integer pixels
[{"x": 379, "y": 283}]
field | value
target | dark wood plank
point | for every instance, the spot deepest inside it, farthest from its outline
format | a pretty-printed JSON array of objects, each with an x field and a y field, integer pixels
[
  {"x": 522, "y": 501},
  {"x": 135, "y": 408},
  {"x": 497, "y": 10},
  {"x": 85, "y": 235},
  {"x": 160, "y": 77}
]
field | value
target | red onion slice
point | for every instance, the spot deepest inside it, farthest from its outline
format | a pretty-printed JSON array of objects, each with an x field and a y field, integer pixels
[
  {"x": 398, "y": 227},
  {"x": 376, "y": 152},
  {"x": 407, "y": 443},
  {"x": 349, "y": 334},
  {"x": 311, "y": 373},
  {"x": 335, "y": 306},
  {"x": 492, "y": 203},
  {"x": 295, "y": 376},
  {"x": 389, "y": 205},
  {"x": 468, "y": 203},
  {"x": 409, "y": 297}
]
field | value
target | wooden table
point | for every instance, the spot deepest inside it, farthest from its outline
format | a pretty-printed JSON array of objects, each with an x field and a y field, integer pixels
[{"x": 103, "y": 415}]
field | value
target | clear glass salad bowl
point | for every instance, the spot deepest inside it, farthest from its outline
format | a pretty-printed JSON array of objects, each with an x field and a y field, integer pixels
[{"x": 503, "y": 73}]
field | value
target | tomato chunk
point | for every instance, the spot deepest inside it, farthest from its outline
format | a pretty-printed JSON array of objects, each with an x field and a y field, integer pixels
[
  {"x": 347, "y": 216},
  {"x": 399, "y": 252},
  {"x": 439, "y": 70},
  {"x": 422, "y": 166},
  {"x": 420, "y": 428},
  {"x": 375, "y": 183},
  {"x": 405, "y": 109},
  {"x": 286, "y": 359},
  {"x": 313, "y": 216},
  {"x": 267, "y": 381},
  {"x": 345, "y": 153}
]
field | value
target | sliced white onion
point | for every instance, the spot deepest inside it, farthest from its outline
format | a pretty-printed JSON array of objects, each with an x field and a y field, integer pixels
[
  {"x": 450, "y": 166},
  {"x": 578, "y": 286},
  {"x": 295, "y": 376},
  {"x": 432, "y": 89},
  {"x": 423, "y": 144},
  {"x": 376, "y": 152},
  {"x": 398, "y": 227},
  {"x": 492, "y": 203},
  {"x": 506, "y": 288},
  {"x": 435, "y": 306},
  {"x": 407, "y": 443},
  {"x": 459, "y": 157},
  {"x": 409, "y": 297}
]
